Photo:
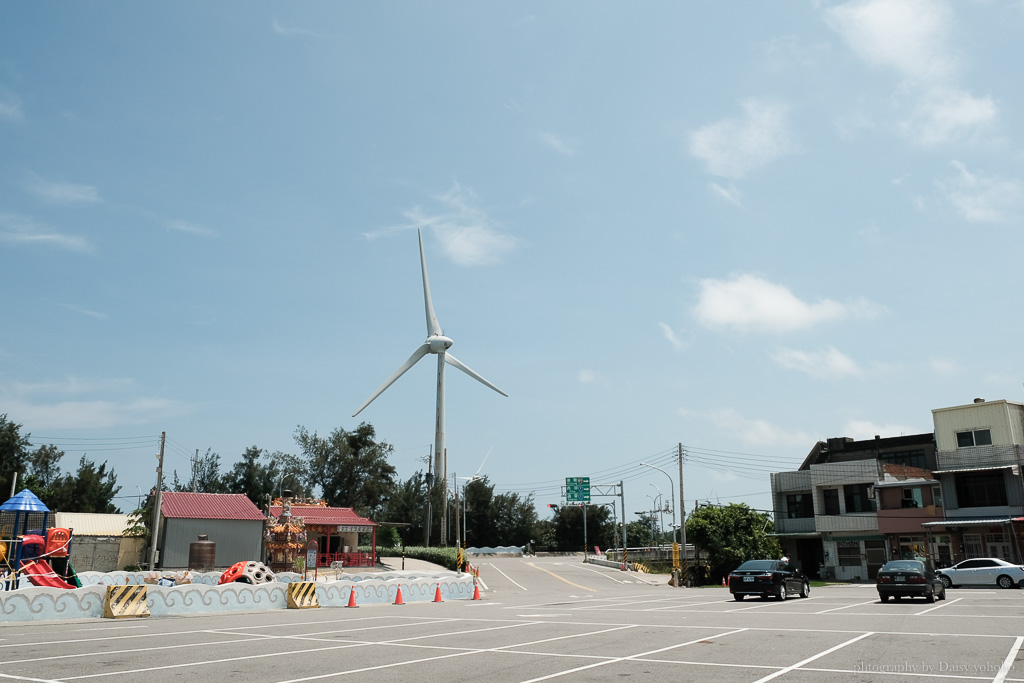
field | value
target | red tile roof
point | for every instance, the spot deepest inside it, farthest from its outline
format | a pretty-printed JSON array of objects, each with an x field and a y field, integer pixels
[
  {"x": 318, "y": 514},
  {"x": 208, "y": 506}
]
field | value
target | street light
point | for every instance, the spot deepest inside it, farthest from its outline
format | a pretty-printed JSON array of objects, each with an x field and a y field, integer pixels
[
  {"x": 655, "y": 502},
  {"x": 280, "y": 484},
  {"x": 672, "y": 491},
  {"x": 661, "y": 515}
]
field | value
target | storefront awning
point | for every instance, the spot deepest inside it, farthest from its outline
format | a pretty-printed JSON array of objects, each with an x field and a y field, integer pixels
[
  {"x": 969, "y": 522},
  {"x": 973, "y": 469}
]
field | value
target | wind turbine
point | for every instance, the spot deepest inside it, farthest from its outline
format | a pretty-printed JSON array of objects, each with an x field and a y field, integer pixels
[{"x": 438, "y": 344}]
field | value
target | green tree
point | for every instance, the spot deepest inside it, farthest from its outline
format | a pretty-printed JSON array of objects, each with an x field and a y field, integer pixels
[
  {"x": 640, "y": 531},
  {"x": 407, "y": 504},
  {"x": 91, "y": 489},
  {"x": 256, "y": 475},
  {"x": 13, "y": 453},
  {"x": 568, "y": 521},
  {"x": 351, "y": 468},
  {"x": 730, "y": 534}
]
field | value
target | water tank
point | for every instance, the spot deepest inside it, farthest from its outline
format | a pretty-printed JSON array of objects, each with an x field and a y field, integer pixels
[{"x": 201, "y": 554}]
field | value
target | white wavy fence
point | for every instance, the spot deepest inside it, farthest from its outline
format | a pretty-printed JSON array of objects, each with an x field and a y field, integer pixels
[{"x": 204, "y": 596}]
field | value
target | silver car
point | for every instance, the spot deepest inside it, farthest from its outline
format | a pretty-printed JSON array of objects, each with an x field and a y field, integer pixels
[{"x": 983, "y": 571}]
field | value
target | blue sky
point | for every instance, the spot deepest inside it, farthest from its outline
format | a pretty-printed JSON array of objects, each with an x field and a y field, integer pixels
[{"x": 743, "y": 227}]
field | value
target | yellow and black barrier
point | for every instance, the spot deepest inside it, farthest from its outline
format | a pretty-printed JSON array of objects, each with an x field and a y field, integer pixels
[
  {"x": 302, "y": 595},
  {"x": 125, "y": 601}
]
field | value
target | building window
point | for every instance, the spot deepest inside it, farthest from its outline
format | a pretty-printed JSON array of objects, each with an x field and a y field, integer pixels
[
  {"x": 799, "y": 505},
  {"x": 912, "y": 548},
  {"x": 972, "y": 546},
  {"x": 998, "y": 546},
  {"x": 857, "y": 498},
  {"x": 909, "y": 458},
  {"x": 977, "y": 437},
  {"x": 849, "y": 553},
  {"x": 981, "y": 489},
  {"x": 913, "y": 498},
  {"x": 831, "y": 501},
  {"x": 937, "y": 496}
]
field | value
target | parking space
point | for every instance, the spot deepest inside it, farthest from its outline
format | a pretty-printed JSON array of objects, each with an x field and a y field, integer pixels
[{"x": 840, "y": 633}]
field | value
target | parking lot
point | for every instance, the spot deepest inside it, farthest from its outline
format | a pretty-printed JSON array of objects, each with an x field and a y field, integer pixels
[{"x": 547, "y": 619}]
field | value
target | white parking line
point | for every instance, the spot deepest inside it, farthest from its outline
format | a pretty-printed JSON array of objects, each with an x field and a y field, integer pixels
[
  {"x": 945, "y": 603},
  {"x": 507, "y": 577},
  {"x": 836, "y": 609},
  {"x": 1007, "y": 666},
  {"x": 799, "y": 664}
]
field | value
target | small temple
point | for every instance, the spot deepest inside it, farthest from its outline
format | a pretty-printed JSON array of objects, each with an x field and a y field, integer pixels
[{"x": 294, "y": 522}]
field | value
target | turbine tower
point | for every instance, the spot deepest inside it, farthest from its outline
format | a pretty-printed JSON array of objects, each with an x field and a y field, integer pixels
[{"x": 438, "y": 344}]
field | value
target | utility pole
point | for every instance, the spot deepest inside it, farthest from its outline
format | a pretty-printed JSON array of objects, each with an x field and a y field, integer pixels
[
  {"x": 430, "y": 494},
  {"x": 455, "y": 485},
  {"x": 195, "y": 471},
  {"x": 156, "y": 502},
  {"x": 682, "y": 514},
  {"x": 625, "y": 546}
]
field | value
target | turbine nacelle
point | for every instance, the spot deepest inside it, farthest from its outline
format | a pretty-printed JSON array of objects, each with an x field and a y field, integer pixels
[{"x": 439, "y": 343}]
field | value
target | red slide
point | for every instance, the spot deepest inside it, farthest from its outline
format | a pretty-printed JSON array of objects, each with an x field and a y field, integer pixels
[{"x": 40, "y": 573}]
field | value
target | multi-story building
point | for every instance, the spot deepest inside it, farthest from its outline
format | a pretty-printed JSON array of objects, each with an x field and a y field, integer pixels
[
  {"x": 826, "y": 512},
  {"x": 979, "y": 460}
]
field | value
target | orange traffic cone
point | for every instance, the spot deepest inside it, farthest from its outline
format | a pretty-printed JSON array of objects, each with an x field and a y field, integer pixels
[
  {"x": 476, "y": 591},
  {"x": 437, "y": 594},
  {"x": 398, "y": 597},
  {"x": 723, "y": 582},
  {"x": 352, "y": 598}
]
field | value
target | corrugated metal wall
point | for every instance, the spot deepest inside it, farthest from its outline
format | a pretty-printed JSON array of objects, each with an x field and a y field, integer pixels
[{"x": 237, "y": 540}]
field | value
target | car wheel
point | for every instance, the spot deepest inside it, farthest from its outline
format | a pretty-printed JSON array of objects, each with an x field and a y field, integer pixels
[
  {"x": 942, "y": 594},
  {"x": 738, "y": 597},
  {"x": 1004, "y": 581},
  {"x": 781, "y": 593},
  {"x": 946, "y": 581},
  {"x": 805, "y": 590},
  {"x": 929, "y": 597},
  {"x": 885, "y": 598}
]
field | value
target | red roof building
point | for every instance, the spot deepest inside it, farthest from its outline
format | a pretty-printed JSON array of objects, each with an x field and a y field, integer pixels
[
  {"x": 186, "y": 505},
  {"x": 230, "y": 520},
  {"x": 336, "y": 532}
]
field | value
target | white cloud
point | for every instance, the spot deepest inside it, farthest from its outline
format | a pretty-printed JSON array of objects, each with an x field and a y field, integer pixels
[
  {"x": 751, "y": 431},
  {"x": 908, "y": 36},
  {"x": 943, "y": 366},
  {"x": 729, "y": 194},
  {"x": 10, "y": 106},
  {"x": 283, "y": 30},
  {"x": 97, "y": 414},
  {"x": 191, "y": 228},
  {"x": 62, "y": 193},
  {"x": 827, "y": 363},
  {"x": 672, "y": 337},
  {"x": 19, "y": 230},
  {"x": 945, "y": 114},
  {"x": 731, "y": 148},
  {"x": 750, "y": 303},
  {"x": 861, "y": 430},
  {"x": 560, "y": 145},
  {"x": 586, "y": 376},
  {"x": 467, "y": 234},
  {"x": 980, "y": 198}
]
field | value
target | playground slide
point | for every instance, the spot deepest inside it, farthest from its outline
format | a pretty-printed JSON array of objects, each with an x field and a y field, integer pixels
[{"x": 40, "y": 573}]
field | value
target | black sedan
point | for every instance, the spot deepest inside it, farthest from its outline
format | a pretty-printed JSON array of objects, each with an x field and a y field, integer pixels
[
  {"x": 909, "y": 579},
  {"x": 768, "y": 577}
]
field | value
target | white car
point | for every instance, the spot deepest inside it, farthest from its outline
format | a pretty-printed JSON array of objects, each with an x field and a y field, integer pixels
[{"x": 983, "y": 571}]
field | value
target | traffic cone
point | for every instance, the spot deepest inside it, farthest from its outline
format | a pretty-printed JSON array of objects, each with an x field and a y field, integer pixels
[
  {"x": 352, "y": 598},
  {"x": 398, "y": 597},
  {"x": 476, "y": 591},
  {"x": 437, "y": 594},
  {"x": 723, "y": 582}
]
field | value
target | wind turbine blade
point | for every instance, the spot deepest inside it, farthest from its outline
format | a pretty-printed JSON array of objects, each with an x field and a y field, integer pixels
[
  {"x": 484, "y": 460},
  {"x": 433, "y": 327},
  {"x": 423, "y": 350},
  {"x": 452, "y": 360}
]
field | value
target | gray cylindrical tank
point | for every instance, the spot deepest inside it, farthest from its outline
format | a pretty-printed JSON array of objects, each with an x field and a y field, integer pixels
[{"x": 201, "y": 554}]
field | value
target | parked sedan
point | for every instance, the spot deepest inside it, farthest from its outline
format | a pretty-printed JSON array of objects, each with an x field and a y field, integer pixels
[
  {"x": 983, "y": 571},
  {"x": 908, "y": 579},
  {"x": 768, "y": 577}
]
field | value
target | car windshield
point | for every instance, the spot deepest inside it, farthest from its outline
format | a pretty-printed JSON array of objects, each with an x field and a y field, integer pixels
[
  {"x": 756, "y": 565},
  {"x": 903, "y": 566}
]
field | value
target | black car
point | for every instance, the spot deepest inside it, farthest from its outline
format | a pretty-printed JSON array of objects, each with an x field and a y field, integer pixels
[
  {"x": 768, "y": 577},
  {"x": 909, "y": 579}
]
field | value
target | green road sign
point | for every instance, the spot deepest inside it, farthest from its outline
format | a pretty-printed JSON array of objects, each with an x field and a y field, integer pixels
[{"x": 577, "y": 489}]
